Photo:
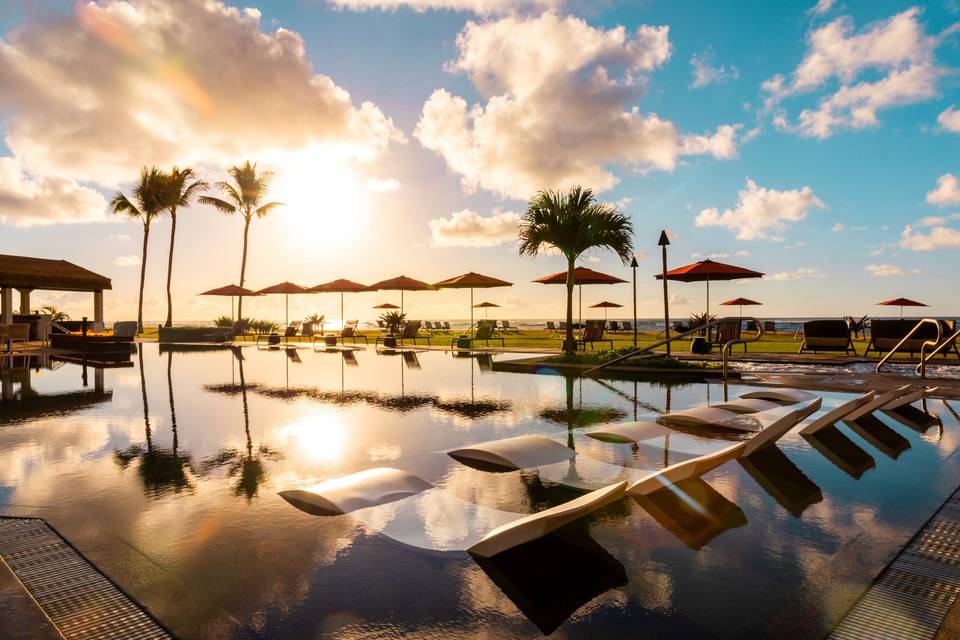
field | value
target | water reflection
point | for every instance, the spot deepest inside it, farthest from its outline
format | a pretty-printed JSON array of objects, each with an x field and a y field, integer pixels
[
  {"x": 782, "y": 479},
  {"x": 843, "y": 452},
  {"x": 20, "y": 402},
  {"x": 160, "y": 469},
  {"x": 879, "y": 435},
  {"x": 693, "y": 511}
]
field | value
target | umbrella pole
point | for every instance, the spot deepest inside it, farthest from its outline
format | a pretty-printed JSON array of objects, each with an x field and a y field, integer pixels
[
  {"x": 343, "y": 320},
  {"x": 286, "y": 309},
  {"x": 401, "y": 301},
  {"x": 580, "y": 310},
  {"x": 471, "y": 316}
]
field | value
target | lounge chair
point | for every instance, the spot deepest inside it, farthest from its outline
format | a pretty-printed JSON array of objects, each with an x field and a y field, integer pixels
[
  {"x": 728, "y": 330},
  {"x": 484, "y": 332},
  {"x": 505, "y": 326},
  {"x": 769, "y": 326},
  {"x": 446, "y": 326},
  {"x": 551, "y": 326},
  {"x": 381, "y": 325},
  {"x": 592, "y": 334},
  {"x": 308, "y": 329},
  {"x": 349, "y": 332},
  {"x": 411, "y": 331},
  {"x": 627, "y": 326},
  {"x": 614, "y": 326},
  {"x": 292, "y": 330},
  {"x": 885, "y": 334},
  {"x": 827, "y": 335}
]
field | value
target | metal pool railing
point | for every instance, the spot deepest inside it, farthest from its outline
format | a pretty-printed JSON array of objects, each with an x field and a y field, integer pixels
[{"x": 934, "y": 344}]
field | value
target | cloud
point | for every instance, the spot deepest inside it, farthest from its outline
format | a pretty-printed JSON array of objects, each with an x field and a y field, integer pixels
[
  {"x": 382, "y": 185},
  {"x": 696, "y": 255},
  {"x": 840, "y": 228},
  {"x": 897, "y": 49},
  {"x": 947, "y": 191},
  {"x": 555, "y": 108},
  {"x": 95, "y": 95},
  {"x": 822, "y": 7},
  {"x": 132, "y": 260},
  {"x": 887, "y": 270},
  {"x": 936, "y": 237},
  {"x": 480, "y": 7},
  {"x": 797, "y": 274},
  {"x": 704, "y": 71},
  {"x": 27, "y": 200},
  {"x": 467, "y": 228},
  {"x": 119, "y": 237},
  {"x": 949, "y": 119},
  {"x": 762, "y": 213}
]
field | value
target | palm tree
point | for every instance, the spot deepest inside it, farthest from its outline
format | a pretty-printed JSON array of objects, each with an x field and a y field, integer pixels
[
  {"x": 55, "y": 314},
  {"x": 573, "y": 222},
  {"x": 245, "y": 195},
  {"x": 145, "y": 206},
  {"x": 180, "y": 186}
]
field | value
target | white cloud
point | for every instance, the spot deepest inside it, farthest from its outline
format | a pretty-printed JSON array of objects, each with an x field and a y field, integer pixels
[
  {"x": 382, "y": 185},
  {"x": 480, "y": 7},
  {"x": 556, "y": 109},
  {"x": 821, "y": 7},
  {"x": 27, "y": 200},
  {"x": 761, "y": 212},
  {"x": 696, "y": 255},
  {"x": 840, "y": 228},
  {"x": 897, "y": 49},
  {"x": 593, "y": 259},
  {"x": 119, "y": 237},
  {"x": 704, "y": 71},
  {"x": 949, "y": 119},
  {"x": 947, "y": 191},
  {"x": 132, "y": 260},
  {"x": 937, "y": 237},
  {"x": 797, "y": 274},
  {"x": 467, "y": 228},
  {"x": 887, "y": 270},
  {"x": 118, "y": 85}
]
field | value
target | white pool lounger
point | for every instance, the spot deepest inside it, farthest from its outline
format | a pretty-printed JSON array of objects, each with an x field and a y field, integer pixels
[
  {"x": 698, "y": 416},
  {"x": 410, "y": 510},
  {"x": 909, "y": 398},
  {"x": 837, "y": 413},
  {"x": 629, "y": 432},
  {"x": 748, "y": 405},
  {"x": 782, "y": 396},
  {"x": 878, "y": 401},
  {"x": 520, "y": 452}
]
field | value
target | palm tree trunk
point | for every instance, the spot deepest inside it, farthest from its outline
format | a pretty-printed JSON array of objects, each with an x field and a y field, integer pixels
[
  {"x": 173, "y": 237},
  {"x": 569, "y": 344},
  {"x": 143, "y": 275},
  {"x": 243, "y": 263}
]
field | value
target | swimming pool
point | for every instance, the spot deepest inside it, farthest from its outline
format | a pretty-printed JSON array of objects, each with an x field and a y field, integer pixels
[{"x": 166, "y": 475}]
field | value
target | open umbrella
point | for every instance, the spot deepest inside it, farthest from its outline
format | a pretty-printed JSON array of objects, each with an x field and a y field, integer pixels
[
  {"x": 606, "y": 305},
  {"x": 901, "y": 302},
  {"x": 707, "y": 270},
  {"x": 739, "y": 302},
  {"x": 472, "y": 281},
  {"x": 286, "y": 288},
  {"x": 581, "y": 276},
  {"x": 484, "y": 306},
  {"x": 341, "y": 286},
  {"x": 386, "y": 305},
  {"x": 232, "y": 291},
  {"x": 401, "y": 284}
]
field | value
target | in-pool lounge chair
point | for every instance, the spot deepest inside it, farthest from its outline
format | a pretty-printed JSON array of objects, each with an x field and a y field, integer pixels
[
  {"x": 827, "y": 335},
  {"x": 416, "y": 506},
  {"x": 592, "y": 334},
  {"x": 484, "y": 332}
]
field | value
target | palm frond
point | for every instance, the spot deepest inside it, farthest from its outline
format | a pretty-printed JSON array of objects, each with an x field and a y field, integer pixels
[
  {"x": 220, "y": 205},
  {"x": 268, "y": 208}
]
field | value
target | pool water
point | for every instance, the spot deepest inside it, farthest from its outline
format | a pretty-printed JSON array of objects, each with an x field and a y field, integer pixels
[{"x": 165, "y": 473}]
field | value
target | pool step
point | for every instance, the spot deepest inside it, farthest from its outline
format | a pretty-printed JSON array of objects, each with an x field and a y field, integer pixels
[
  {"x": 913, "y": 595},
  {"x": 80, "y": 601}
]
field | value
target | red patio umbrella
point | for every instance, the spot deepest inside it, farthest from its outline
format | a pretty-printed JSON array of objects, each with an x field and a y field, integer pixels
[
  {"x": 581, "y": 276},
  {"x": 386, "y": 305},
  {"x": 484, "y": 306},
  {"x": 707, "y": 270},
  {"x": 341, "y": 286},
  {"x": 401, "y": 284},
  {"x": 232, "y": 291},
  {"x": 739, "y": 302},
  {"x": 286, "y": 288},
  {"x": 606, "y": 305},
  {"x": 472, "y": 281},
  {"x": 901, "y": 302}
]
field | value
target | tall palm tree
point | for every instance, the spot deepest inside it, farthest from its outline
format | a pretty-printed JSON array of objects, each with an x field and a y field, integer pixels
[
  {"x": 573, "y": 222},
  {"x": 145, "y": 205},
  {"x": 180, "y": 186},
  {"x": 246, "y": 196}
]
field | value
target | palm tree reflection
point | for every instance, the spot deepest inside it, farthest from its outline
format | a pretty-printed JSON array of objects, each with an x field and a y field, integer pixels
[{"x": 161, "y": 469}]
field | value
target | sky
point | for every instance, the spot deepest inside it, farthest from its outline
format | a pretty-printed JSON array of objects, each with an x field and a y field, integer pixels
[{"x": 816, "y": 143}]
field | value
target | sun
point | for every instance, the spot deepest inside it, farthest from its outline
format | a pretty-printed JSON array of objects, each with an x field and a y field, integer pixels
[{"x": 325, "y": 197}]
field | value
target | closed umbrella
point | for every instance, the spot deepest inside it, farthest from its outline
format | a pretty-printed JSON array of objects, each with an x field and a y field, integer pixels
[
  {"x": 286, "y": 288},
  {"x": 740, "y": 302},
  {"x": 606, "y": 305},
  {"x": 472, "y": 281},
  {"x": 581, "y": 276},
  {"x": 401, "y": 284},
  {"x": 901, "y": 302},
  {"x": 484, "y": 306},
  {"x": 232, "y": 291},
  {"x": 707, "y": 270},
  {"x": 341, "y": 286}
]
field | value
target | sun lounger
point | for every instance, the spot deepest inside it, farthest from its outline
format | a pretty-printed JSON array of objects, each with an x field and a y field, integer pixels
[
  {"x": 17, "y": 332},
  {"x": 484, "y": 333},
  {"x": 400, "y": 505},
  {"x": 411, "y": 331},
  {"x": 592, "y": 334},
  {"x": 614, "y": 326},
  {"x": 627, "y": 327},
  {"x": 748, "y": 405},
  {"x": 777, "y": 394},
  {"x": 349, "y": 332},
  {"x": 878, "y": 401},
  {"x": 551, "y": 326},
  {"x": 827, "y": 335},
  {"x": 885, "y": 334},
  {"x": 446, "y": 326},
  {"x": 837, "y": 413}
]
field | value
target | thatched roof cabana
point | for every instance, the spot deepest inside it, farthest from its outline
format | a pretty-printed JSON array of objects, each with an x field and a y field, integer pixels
[{"x": 22, "y": 272}]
